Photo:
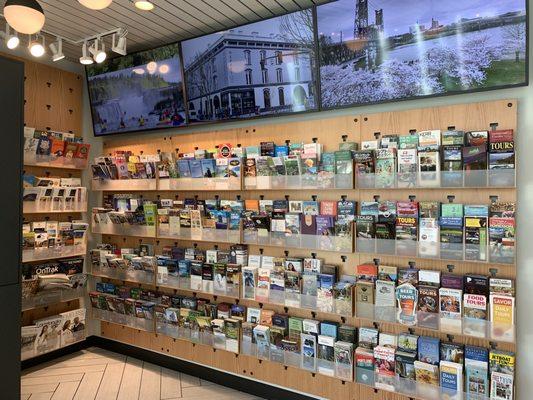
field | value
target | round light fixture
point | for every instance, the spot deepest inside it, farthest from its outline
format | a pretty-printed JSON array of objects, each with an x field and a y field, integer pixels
[
  {"x": 144, "y": 5},
  {"x": 37, "y": 47},
  {"x": 24, "y": 16},
  {"x": 163, "y": 69},
  {"x": 12, "y": 39},
  {"x": 85, "y": 59},
  {"x": 12, "y": 42},
  {"x": 95, "y": 4},
  {"x": 138, "y": 71}
]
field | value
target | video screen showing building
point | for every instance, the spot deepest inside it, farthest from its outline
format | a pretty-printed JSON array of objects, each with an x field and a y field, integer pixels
[
  {"x": 263, "y": 68},
  {"x": 382, "y": 50}
]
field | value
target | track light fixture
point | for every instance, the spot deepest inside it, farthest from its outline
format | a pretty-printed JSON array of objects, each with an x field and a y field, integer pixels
[
  {"x": 24, "y": 16},
  {"x": 36, "y": 46},
  {"x": 95, "y": 4},
  {"x": 98, "y": 50},
  {"x": 144, "y": 5},
  {"x": 57, "y": 50},
  {"x": 119, "y": 46},
  {"x": 12, "y": 39},
  {"x": 85, "y": 59}
]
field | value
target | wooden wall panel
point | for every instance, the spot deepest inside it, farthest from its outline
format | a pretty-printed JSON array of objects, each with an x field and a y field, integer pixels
[
  {"x": 47, "y": 108},
  {"x": 70, "y": 102},
  {"x": 53, "y": 97}
]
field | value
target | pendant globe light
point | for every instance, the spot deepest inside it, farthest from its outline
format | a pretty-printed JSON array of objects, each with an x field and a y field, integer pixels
[
  {"x": 95, "y": 4},
  {"x": 24, "y": 16}
]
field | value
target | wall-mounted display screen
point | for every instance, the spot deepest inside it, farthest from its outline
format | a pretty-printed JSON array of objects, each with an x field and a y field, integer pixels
[
  {"x": 263, "y": 68},
  {"x": 383, "y": 50},
  {"x": 140, "y": 91}
]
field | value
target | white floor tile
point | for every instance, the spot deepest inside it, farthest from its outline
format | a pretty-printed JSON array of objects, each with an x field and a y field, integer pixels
[{"x": 97, "y": 374}]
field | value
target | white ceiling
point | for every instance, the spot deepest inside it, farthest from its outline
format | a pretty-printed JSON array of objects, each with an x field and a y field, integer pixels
[{"x": 170, "y": 21}]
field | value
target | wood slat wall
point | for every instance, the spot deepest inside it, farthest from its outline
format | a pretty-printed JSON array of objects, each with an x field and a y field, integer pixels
[{"x": 476, "y": 116}]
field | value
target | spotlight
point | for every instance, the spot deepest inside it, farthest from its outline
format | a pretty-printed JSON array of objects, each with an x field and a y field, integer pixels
[
  {"x": 85, "y": 59},
  {"x": 99, "y": 54},
  {"x": 95, "y": 4},
  {"x": 12, "y": 39},
  {"x": 24, "y": 16},
  {"x": 57, "y": 50},
  {"x": 144, "y": 5},
  {"x": 119, "y": 46},
  {"x": 37, "y": 47}
]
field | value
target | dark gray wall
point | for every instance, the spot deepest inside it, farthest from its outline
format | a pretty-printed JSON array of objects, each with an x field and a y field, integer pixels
[{"x": 11, "y": 137}]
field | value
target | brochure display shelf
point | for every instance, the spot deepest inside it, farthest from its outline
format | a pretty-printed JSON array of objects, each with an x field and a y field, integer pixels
[
  {"x": 53, "y": 253},
  {"x": 201, "y": 235},
  {"x": 33, "y": 207},
  {"x": 300, "y": 182},
  {"x": 142, "y": 277},
  {"x": 469, "y": 187},
  {"x": 211, "y": 339},
  {"x": 486, "y": 179},
  {"x": 184, "y": 284},
  {"x": 108, "y": 228},
  {"x": 467, "y": 327},
  {"x": 48, "y": 297},
  {"x": 340, "y": 244},
  {"x": 143, "y": 324},
  {"x": 51, "y": 161},
  {"x": 297, "y": 301},
  {"x": 406, "y": 387},
  {"x": 131, "y": 185},
  {"x": 200, "y": 184},
  {"x": 450, "y": 252}
]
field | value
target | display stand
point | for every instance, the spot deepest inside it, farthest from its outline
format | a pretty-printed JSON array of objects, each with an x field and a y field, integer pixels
[
  {"x": 330, "y": 132},
  {"x": 52, "y": 101}
]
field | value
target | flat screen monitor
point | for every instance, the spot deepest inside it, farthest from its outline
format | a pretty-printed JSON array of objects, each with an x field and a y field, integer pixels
[
  {"x": 385, "y": 50},
  {"x": 137, "y": 92},
  {"x": 263, "y": 68}
]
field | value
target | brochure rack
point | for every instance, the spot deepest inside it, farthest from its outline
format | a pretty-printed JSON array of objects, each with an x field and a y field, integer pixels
[
  {"x": 477, "y": 188},
  {"x": 33, "y": 207},
  {"x": 48, "y": 297},
  {"x": 53, "y": 253}
]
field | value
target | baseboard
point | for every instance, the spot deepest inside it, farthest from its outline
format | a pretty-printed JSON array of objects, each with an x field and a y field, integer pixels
[
  {"x": 242, "y": 384},
  {"x": 52, "y": 355}
]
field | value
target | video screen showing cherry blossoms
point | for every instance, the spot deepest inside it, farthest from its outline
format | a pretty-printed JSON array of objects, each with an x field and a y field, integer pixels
[{"x": 382, "y": 50}]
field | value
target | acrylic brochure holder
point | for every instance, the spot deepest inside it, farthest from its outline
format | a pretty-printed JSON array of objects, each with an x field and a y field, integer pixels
[
  {"x": 52, "y": 161},
  {"x": 200, "y": 184},
  {"x": 129, "y": 275},
  {"x": 305, "y": 182},
  {"x": 124, "y": 184},
  {"x": 143, "y": 324},
  {"x": 471, "y": 179},
  {"x": 48, "y": 297},
  {"x": 342, "y": 244},
  {"x": 200, "y": 234}
]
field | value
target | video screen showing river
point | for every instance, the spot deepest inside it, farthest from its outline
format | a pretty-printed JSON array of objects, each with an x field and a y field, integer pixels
[
  {"x": 141, "y": 91},
  {"x": 381, "y": 50}
]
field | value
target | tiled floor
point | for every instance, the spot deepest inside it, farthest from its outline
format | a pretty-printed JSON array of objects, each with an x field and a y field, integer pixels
[{"x": 96, "y": 374}]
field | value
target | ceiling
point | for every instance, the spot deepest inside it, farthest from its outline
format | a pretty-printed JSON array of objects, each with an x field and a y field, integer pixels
[{"x": 170, "y": 21}]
